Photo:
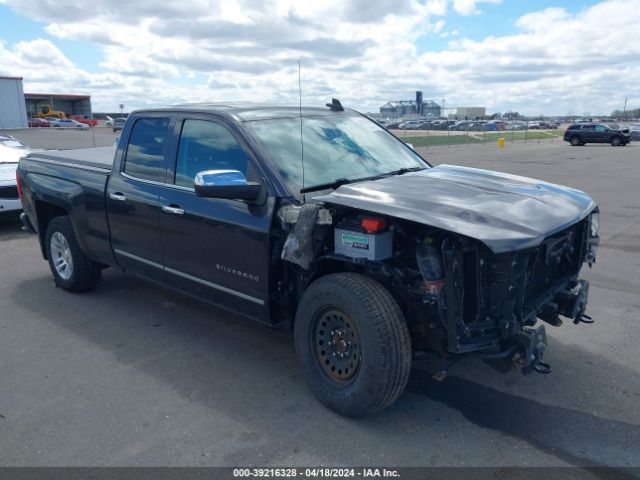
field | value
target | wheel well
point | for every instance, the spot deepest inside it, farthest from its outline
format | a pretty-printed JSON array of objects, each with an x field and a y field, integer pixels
[
  {"x": 329, "y": 266},
  {"x": 45, "y": 213}
]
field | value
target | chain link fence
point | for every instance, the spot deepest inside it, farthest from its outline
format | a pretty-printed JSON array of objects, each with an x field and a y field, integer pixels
[{"x": 478, "y": 134}]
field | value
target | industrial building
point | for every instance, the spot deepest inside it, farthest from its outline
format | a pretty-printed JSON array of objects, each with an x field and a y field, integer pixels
[
  {"x": 417, "y": 107},
  {"x": 69, "y": 104},
  {"x": 13, "y": 112},
  {"x": 16, "y": 107},
  {"x": 471, "y": 113}
]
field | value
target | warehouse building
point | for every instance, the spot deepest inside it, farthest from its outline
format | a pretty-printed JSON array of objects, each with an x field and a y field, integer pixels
[
  {"x": 471, "y": 113},
  {"x": 13, "y": 113},
  {"x": 69, "y": 104}
]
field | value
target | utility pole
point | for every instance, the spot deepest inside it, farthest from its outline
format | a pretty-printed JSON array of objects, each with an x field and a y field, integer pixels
[
  {"x": 121, "y": 109},
  {"x": 624, "y": 110}
]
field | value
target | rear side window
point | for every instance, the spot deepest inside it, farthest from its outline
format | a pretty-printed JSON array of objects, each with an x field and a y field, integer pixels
[
  {"x": 145, "y": 159},
  {"x": 574, "y": 127},
  {"x": 589, "y": 127},
  {"x": 206, "y": 145}
]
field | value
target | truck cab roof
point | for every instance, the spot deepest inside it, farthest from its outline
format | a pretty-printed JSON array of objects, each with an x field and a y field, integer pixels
[{"x": 244, "y": 111}]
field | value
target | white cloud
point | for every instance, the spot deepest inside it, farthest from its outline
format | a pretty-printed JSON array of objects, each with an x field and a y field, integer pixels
[
  {"x": 470, "y": 7},
  {"x": 363, "y": 52}
]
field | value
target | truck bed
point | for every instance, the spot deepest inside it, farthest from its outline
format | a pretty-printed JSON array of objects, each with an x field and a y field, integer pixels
[
  {"x": 74, "y": 181},
  {"x": 100, "y": 157}
]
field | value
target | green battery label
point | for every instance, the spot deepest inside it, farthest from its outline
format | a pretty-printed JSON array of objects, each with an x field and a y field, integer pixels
[{"x": 355, "y": 241}]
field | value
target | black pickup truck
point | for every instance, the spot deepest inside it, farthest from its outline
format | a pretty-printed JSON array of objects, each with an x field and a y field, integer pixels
[{"x": 321, "y": 221}]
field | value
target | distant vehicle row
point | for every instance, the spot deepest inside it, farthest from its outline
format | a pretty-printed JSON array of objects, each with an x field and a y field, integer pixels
[
  {"x": 466, "y": 125},
  {"x": 81, "y": 122}
]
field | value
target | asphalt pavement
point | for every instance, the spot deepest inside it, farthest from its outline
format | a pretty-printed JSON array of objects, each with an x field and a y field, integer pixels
[{"x": 133, "y": 374}]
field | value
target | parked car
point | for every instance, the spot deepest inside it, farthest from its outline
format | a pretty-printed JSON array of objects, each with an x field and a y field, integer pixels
[
  {"x": 515, "y": 126},
  {"x": 92, "y": 122},
  {"x": 11, "y": 149},
  {"x": 582, "y": 133},
  {"x": 118, "y": 124},
  {"x": 377, "y": 255},
  {"x": 69, "y": 123},
  {"x": 461, "y": 125},
  {"x": 410, "y": 124},
  {"x": 38, "y": 122},
  {"x": 634, "y": 131}
]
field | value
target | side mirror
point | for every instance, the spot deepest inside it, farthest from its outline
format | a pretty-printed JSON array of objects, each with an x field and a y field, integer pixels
[{"x": 229, "y": 184}]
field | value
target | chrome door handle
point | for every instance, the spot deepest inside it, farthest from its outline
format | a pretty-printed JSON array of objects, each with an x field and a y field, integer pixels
[
  {"x": 117, "y": 196},
  {"x": 172, "y": 210}
]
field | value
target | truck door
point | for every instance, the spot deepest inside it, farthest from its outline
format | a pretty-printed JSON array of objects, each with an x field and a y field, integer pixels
[
  {"x": 132, "y": 197},
  {"x": 216, "y": 249}
]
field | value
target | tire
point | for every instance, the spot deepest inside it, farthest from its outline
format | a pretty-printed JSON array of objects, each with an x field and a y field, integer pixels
[
  {"x": 616, "y": 141},
  {"x": 575, "y": 141},
  {"x": 349, "y": 321},
  {"x": 81, "y": 274}
]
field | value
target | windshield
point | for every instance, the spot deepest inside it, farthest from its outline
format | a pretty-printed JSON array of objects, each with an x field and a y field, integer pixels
[{"x": 335, "y": 147}]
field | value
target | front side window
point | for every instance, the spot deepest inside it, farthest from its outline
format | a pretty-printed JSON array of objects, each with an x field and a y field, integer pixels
[
  {"x": 600, "y": 128},
  {"x": 589, "y": 128},
  {"x": 335, "y": 146},
  {"x": 145, "y": 156},
  {"x": 206, "y": 145}
]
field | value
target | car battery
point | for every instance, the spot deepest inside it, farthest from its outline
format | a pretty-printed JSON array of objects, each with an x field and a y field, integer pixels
[{"x": 364, "y": 238}]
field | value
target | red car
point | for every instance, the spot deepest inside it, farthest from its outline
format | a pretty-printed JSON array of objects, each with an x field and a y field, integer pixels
[
  {"x": 92, "y": 122},
  {"x": 38, "y": 122}
]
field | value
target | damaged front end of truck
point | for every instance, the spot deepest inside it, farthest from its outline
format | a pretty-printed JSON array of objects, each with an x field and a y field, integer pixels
[{"x": 463, "y": 287}]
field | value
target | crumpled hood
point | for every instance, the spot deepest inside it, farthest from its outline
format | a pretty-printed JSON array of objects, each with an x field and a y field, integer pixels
[{"x": 505, "y": 212}]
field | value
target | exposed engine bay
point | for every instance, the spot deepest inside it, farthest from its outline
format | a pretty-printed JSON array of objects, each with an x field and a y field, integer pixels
[{"x": 458, "y": 296}]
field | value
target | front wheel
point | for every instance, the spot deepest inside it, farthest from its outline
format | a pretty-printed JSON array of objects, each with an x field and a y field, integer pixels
[
  {"x": 352, "y": 343},
  {"x": 72, "y": 269},
  {"x": 575, "y": 141},
  {"x": 616, "y": 141}
]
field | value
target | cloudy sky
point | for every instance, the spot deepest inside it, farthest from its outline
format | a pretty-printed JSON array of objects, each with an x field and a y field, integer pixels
[{"x": 542, "y": 56}]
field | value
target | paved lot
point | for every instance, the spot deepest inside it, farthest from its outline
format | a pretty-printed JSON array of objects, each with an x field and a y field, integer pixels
[
  {"x": 132, "y": 374},
  {"x": 56, "y": 138}
]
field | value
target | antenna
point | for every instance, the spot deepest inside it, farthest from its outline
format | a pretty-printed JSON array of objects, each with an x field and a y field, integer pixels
[{"x": 301, "y": 141}]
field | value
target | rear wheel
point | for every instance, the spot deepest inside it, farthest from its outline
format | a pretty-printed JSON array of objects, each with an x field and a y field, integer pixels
[
  {"x": 352, "y": 343},
  {"x": 575, "y": 141},
  {"x": 616, "y": 141},
  {"x": 71, "y": 268}
]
